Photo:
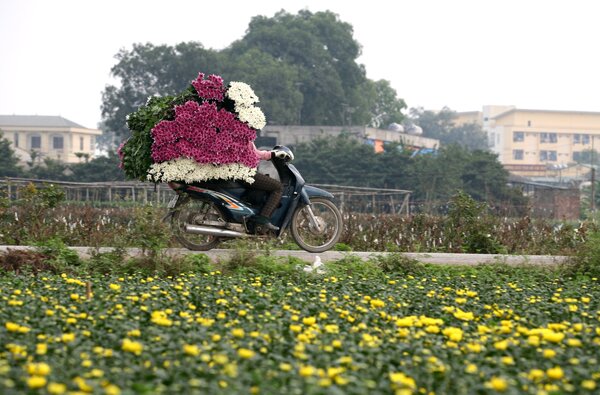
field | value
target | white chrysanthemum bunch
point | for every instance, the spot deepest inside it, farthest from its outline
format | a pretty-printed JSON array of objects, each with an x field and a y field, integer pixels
[
  {"x": 188, "y": 170},
  {"x": 244, "y": 98}
]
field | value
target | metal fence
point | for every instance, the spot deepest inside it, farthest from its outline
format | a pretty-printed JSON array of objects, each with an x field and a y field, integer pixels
[{"x": 349, "y": 198}]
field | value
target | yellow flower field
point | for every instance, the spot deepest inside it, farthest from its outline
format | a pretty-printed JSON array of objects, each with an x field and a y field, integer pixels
[{"x": 436, "y": 333}]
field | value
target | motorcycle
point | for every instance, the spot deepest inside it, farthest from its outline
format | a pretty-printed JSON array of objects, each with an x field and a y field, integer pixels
[{"x": 206, "y": 213}]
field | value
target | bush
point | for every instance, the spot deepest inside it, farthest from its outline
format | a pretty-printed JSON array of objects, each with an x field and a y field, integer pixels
[
  {"x": 587, "y": 259},
  {"x": 396, "y": 263}
]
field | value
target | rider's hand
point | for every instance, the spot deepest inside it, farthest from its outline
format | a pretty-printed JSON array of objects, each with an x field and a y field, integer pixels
[{"x": 280, "y": 154}]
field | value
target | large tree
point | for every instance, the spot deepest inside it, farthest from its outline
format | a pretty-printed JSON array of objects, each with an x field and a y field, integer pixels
[{"x": 303, "y": 67}]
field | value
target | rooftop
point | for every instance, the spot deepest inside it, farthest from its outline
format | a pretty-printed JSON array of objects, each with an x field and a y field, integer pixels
[{"x": 37, "y": 121}]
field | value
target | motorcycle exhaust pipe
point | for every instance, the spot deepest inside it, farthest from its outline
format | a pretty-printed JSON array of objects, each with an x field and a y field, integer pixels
[{"x": 211, "y": 231}]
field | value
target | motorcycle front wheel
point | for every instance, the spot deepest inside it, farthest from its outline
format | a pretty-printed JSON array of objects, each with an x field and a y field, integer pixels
[
  {"x": 322, "y": 235},
  {"x": 196, "y": 212}
]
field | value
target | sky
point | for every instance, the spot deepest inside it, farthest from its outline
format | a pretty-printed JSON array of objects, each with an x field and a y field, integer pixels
[{"x": 56, "y": 55}]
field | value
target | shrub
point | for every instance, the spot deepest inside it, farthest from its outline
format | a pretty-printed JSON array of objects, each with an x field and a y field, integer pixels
[{"x": 396, "y": 263}]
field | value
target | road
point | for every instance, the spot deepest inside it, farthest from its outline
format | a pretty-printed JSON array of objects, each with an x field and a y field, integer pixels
[{"x": 432, "y": 258}]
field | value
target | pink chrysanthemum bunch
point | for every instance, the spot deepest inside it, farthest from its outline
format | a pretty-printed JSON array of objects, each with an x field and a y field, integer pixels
[{"x": 208, "y": 137}]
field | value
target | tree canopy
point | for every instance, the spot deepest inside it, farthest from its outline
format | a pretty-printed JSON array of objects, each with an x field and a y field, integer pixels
[
  {"x": 433, "y": 178},
  {"x": 441, "y": 125},
  {"x": 302, "y": 66}
]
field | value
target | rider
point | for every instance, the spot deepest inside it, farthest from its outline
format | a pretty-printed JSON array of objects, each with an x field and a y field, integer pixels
[{"x": 265, "y": 183}]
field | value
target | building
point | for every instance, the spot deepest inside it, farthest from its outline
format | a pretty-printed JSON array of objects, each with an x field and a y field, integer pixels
[
  {"x": 49, "y": 136},
  {"x": 294, "y": 134},
  {"x": 539, "y": 143}
]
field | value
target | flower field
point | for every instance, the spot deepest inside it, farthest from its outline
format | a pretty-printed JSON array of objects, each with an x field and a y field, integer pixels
[{"x": 442, "y": 332}]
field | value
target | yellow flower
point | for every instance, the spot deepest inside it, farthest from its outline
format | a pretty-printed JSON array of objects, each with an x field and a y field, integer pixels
[
  {"x": 471, "y": 368},
  {"x": 238, "y": 332},
  {"x": 536, "y": 374},
  {"x": 67, "y": 337},
  {"x": 501, "y": 345},
  {"x": 574, "y": 342},
  {"x": 336, "y": 343},
  {"x": 36, "y": 382},
  {"x": 132, "y": 346},
  {"x": 553, "y": 337},
  {"x": 115, "y": 287},
  {"x": 216, "y": 337},
  {"x": 191, "y": 349},
  {"x": 376, "y": 303},
  {"x": 309, "y": 320},
  {"x": 134, "y": 333},
  {"x": 12, "y": 327},
  {"x": 112, "y": 389},
  {"x": 555, "y": 373},
  {"x": 41, "y": 348},
  {"x": 56, "y": 388},
  {"x": 286, "y": 367},
  {"x": 508, "y": 360},
  {"x": 400, "y": 380},
  {"x": 295, "y": 328},
  {"x": 497, "y": 383},
  {"x": 38, "y": 369},
  {"x": 588, "y": 384},
  {"x": 549, "y": 353},
  {"x": 306, "y": 371},
  {"x": 245, "y": 353}
]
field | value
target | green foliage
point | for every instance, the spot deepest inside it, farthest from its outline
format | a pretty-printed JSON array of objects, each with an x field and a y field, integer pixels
[
  {"x": 396, "y": 263},
  {"x": 58, "y": 255},
  {"x": 342, "y": 247},
  {"x": 244, "y": 258},
  {"x": 354, "y": 266},
  {"x": 136, "y": 151},
  {"x": 587, "y": 259},
  {"x": 103, "y": 168},
  {"x": 467, "y": 226},
  {"x": 9, "y": 162},
  {"x": 149, "y": 232}
]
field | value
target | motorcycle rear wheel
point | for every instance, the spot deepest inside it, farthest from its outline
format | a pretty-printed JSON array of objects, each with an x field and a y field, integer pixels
[
  {"x": 307, "y": 236},
  {"x": 196, "y": 212}
]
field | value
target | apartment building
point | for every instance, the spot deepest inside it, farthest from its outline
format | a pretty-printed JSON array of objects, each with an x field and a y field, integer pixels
[
  {"x": 538, "y": 143},
  {"x": 49, "y": 136}
]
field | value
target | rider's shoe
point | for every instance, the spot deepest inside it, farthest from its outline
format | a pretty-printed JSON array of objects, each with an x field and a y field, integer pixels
[{"x": 265, "y": 222}]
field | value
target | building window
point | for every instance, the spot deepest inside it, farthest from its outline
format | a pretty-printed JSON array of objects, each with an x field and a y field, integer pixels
[
  {"x": 577, "y": 156},
  {"x": 16, "y": 140},
  {"x": 92, "y": 143},
  {"x": 57, "y": 142},
  {"x": 81, "y": 143},
  {"x": 518, "y": 136},
  {"x": 518, "y": 154},
  {"x": 548, "y": 137},
  {"x": 576, "y": 139},
  {"x": 549, "y": 156},
  {"x": 585, "y": 139},
  {"x": 35, "y": 142}
]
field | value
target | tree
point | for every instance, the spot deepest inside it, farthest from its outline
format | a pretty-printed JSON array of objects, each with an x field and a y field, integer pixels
[
  {"x": 9, "y": 162},
  {"x": 303, "y": 67},
  {"x": 103, "y": 168},
  {"x": 440, "y": 125},
  {"x": 149, "y": 70}
]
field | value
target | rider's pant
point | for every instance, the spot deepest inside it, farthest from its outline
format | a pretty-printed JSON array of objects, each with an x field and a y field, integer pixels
[{"x": 266, "y": 183}]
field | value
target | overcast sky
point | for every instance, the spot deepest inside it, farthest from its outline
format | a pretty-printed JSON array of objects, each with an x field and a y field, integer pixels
[{"x": 56, "y": 55}]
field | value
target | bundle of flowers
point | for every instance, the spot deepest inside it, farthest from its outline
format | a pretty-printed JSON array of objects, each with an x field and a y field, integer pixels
[{"x": 201, "y": 134}]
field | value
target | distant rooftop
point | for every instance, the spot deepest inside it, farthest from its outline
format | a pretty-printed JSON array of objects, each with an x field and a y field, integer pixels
[{"x": 37, "y": 121}]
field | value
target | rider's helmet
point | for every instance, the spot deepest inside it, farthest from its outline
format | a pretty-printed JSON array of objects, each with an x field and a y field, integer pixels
[{"x": 282, "y": 152}]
